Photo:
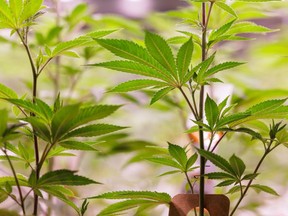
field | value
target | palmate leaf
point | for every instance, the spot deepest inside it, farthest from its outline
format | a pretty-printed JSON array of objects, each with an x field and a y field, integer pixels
[
  {"x": 165, "y": 161},
  {"x": 204, "y": 67},
  {"x": 6, "y": 92},
  {"x": 61, "y": 194},
  {"x": 237, "y": 164},
  {"x": 160, "y": 50},
  {"x": 133, "y": 85},
  {"x": 134, "y": 68},
  {"x": 30, "y": 9},
  {"x": 145, "y": 195},
  {"x": 258, "y": 0},
  {"x": 184, "y": 57},
  {"x": 227, "y": 8},
  {"x": 120, "y": 207},
  {"x": 217, "y": 161},
  {"x": 271, "y": 109},
  {"x": 61, "y": 121},
  {"x": 67, "y": 45},
  {"x": 16, "y": 7},
  {"x": 92, "y": 113},
  {"x": 221, "y": 67},
  {"x": 211, "y": 111},
  {"x": 264, "y": 188},
  {"x": 63, "y": 177},
  {"x": 179, "y": 154},
  {"x": 5, "y": 14},
  {"x": 219, "y": 175},
  {"x": 247, "y": 27},
  {"x": 132, "y": 51},
  {"x": 160, "y": 94},
  {"x": 222, "y": 30},
  {"x": 92, "y": 130},
  {"x": 76, "y": 145},
  {"x": 3, "y": 195},
  {"x": 11, "y": 180}
]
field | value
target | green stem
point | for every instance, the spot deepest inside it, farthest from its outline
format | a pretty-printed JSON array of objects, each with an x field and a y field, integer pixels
[
  {"x": 191, "y": 188},
  {"x": 201, "y": 106},
  {"x": 250, "y": 182},
  {"x": 16, "y": 181},
  {"x": 34, "y": 92},
  {"x": 189, "y": 103}
]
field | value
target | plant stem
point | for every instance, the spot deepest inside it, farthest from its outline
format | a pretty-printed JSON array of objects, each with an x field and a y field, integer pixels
[
  {"x": 201, "y": 106},
  {"x": 191, "y": 188},
  {"x": 250, "y": 182},
  {"x": 34, "y": 95},
  {"x": 16, "y": 181},
  {"x": 189, "y": 103}
]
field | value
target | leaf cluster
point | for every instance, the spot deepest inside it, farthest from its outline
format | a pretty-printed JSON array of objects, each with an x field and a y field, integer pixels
[
  {"x": 233, "y": 173},
  {"x": 133, "y": 199},
  {"x": 176, "y": 158}
]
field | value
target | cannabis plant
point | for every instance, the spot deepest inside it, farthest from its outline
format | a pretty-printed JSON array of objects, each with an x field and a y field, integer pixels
[
  {"x": 36, "y": 132},
  {"x": 163, "y": 68}
]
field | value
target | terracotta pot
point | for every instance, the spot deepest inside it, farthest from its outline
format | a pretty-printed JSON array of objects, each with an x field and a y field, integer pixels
[{"x": 217, "y": 205}]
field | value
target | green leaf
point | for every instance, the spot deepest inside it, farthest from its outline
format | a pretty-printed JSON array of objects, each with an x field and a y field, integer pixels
[
  {"x": 6, "y": 92},
  {"x": 6, "y": 17},
  {"x": 3, "y": 122},
  {"x": 217, "y": 160},
  {"x": 11, "y": 180},
  {"x": 63, "y": 177},
  {"x": 55, "y": 191},
  {"x": 40, "y": 128},
  {"x": 160, "y": 50},
  {"x": 75, "y": 145},
  {"x": 191, "y": 161},
  {"x": 160, "y": 94},
  {"x": 70, "y": 53},
  {"x": 3, "y": 195},
  {"x": 27, "y": 105},
  {"x": 221, "y": 67},
  {"x": 45, "y": 110},
  {"x": 226, "y": 7},
  {"x": 133, "y": 85},
  {"x": 247, "y": 27},
  {"x": 211, "y": 111},
  {"x": 219, "y": 175},
  {"x": 61, "y": 121},
  {"x": 146, "y": 195},
  {"x": 30, "y": 9},
  {"x": 222, "y": 30},
  {"x": 258, "y": 0},
  {"x": 93, "y": 130},
  {"x": 179, "y": 154},
  {"x": 204, "y": 67},
  {"x": 67, "y": 45},
  {"x": 92, "y": 113},
  {"x": 132, "y": 51},
  {"x": 184, "y": 57},
  {"x": 237, "y": 164},
  {"x": 250, "y": 176},
  {"x": 233, "y": 119},
  {"x": 134, "y": 68},
  {"x": 264, "y": 188},
  {"x": 225, "y": 183},
  {"x": 234, "y": 189},
  {"x": 265, "y": 106},
  {"x": 165, "y": 162},
  {"x": 16, "y": 7},
  {"x": 117, "y": 208}
]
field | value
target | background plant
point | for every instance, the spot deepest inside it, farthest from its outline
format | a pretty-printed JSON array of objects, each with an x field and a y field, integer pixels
[{"x": 169, "y": 72}]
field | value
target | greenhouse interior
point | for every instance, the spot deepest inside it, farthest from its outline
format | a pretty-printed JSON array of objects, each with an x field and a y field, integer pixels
[{"x": 143, "y": 107}]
